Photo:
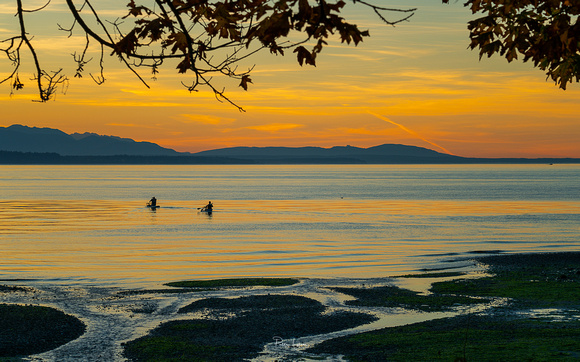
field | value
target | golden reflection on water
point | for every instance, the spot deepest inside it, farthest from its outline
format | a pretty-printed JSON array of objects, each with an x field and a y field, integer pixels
[
  {"x": 129, "y": 243},
  {"x": 18, "y": 217}
]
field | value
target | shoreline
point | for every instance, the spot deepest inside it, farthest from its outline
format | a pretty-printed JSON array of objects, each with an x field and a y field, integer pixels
[{"x": 115, "y": 318}]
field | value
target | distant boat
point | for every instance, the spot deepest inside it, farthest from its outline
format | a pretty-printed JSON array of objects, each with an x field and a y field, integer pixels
[
  {"x": 203, "y": 209},
  {"x": 152, "y": 207}
]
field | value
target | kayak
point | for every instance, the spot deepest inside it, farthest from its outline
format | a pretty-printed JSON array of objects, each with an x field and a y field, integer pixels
[
  {"x": 153, "y": 207},
  {"x": 209, "y": 211}
]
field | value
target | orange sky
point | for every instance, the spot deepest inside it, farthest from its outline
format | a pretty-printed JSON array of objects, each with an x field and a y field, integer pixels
[{"x": 414, "y": 84}]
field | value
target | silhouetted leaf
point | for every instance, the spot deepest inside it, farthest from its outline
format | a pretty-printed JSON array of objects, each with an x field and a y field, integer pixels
[{"x": 245, "y": 80}]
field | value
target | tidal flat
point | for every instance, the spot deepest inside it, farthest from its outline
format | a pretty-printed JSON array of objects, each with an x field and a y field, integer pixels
[
  {"x": 538, "y": 320},
  {"x": 508, "y": 307}
]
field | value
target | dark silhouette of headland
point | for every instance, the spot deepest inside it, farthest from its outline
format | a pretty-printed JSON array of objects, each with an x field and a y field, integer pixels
[{"x": 32, "y": 145}]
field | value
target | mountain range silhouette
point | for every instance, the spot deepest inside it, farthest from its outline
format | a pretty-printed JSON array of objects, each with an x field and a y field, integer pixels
[{"x": 32, "y": 145}]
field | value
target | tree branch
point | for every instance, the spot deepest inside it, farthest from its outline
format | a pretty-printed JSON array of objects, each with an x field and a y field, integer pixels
[{"x": 205, "y": 37}]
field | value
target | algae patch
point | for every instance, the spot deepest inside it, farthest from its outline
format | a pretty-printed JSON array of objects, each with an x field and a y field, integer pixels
[
  {"x": 27, "y": 330},
  {"x": 463, "y": 338},
  {"x": 238, "y": 282},
  {"x": 529, "y": 280},
  {"x": 251, "y": 323},
  {"x": 394, "y": 297},
  {"x": 190, "y": 286},
  {"x": 432, "y": 275},
  {"x": 539, "y": 324}
]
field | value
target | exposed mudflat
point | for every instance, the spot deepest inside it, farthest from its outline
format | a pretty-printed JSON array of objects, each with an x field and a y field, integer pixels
[{"x": 114, "y": 316}]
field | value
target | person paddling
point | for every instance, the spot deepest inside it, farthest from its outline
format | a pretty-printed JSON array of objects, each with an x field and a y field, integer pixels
[
  {"x": 152, "y": 202},
  {"x": 208, "y": 207}
]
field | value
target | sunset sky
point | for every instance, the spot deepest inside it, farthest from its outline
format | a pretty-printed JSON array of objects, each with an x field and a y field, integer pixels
[{"x": 415, "y": 84}]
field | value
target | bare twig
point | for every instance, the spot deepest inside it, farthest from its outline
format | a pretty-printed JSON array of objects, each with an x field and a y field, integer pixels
[{"x": 205, "y": 37}]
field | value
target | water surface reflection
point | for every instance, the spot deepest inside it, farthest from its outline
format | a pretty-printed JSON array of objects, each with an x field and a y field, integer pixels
[{"x": 128, "y": 243}]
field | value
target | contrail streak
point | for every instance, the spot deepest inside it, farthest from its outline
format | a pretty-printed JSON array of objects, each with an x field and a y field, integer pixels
[{"x": 411, "y": 132}]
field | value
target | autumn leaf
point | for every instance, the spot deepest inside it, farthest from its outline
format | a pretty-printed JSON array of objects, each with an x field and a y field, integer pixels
[
  {"x": 304, "y": 56},
  {"x": 245, "y": 80},
  {"x": 135, "y": 10},
  {"x": 184, "y": 65},
  {"x": 179, "y": 42},
  {"x": 153, "y": 29},
  {"x": 127, "y": 44}
]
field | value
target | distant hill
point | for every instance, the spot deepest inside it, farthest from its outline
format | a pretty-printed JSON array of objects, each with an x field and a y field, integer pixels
[
  {"x": 388, "y": 153},
  {"x": 47, "y": 140},
  {"x": 18, "y": 138},
  {"x": 32, "y": 145}
]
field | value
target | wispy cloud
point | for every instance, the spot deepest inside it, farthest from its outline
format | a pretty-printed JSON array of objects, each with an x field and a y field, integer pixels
[
  {"x": 9, "y": 9},
  {"x": 206, "y": 119},
  {"x": 275, "y": 127},
  {"x": 411, "y": 132}
]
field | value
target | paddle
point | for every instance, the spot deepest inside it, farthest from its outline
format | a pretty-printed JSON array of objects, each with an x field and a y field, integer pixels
[{"x": 205, "y": 208}]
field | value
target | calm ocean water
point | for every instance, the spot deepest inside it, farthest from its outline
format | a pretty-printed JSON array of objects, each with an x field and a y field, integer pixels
[{"x": 89, "y": 224}]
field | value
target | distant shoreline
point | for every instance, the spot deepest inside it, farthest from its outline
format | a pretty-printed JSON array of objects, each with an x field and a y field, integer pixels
[
  {"x": 34, "y": 158},
  {"x": 22, "y": 145}
]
